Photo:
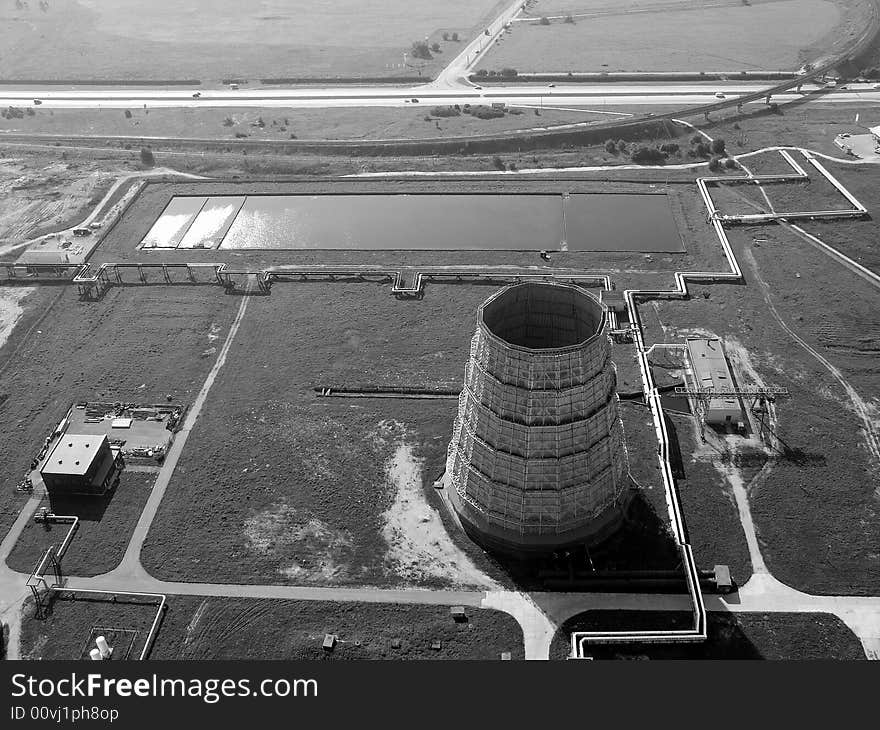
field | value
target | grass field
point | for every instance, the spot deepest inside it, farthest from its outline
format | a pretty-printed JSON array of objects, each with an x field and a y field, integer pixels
[
  {"x": 731, "y": 636},
  {"x": 780, "y": 34},
  {"x": 65, "y": 632},
  {"x": 339, "y": 491},
  {"x": 105, "y": 527},
  {"x": 218, "y": 39},
  {"x": 815, "y": 510},
  {"x": 136, "y": 344},
  {"x": 282, "y": 124},
  {"x": 197, "y": 628},
  {"x": 312, "y": 490}
]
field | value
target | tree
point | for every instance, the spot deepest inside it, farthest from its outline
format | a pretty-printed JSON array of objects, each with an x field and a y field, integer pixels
[
  {"x": 544, "y": 20},
  {"x": 455, "y": 37},
  {"x": 648, "y": 156},
  {"x": 446, "y": 36},
  {"x": 435, "y": 47},
  {"x": 508, "y": 73},
  {"x": 701, "y": 150},
  {"x": 499, "y": 163},
  {"x": 147, "y": 158},
  {"x": 730, "y": 163},
  {"x": 127, "y": 114},
  {"x": 670, "y": 148},
  {"x": 420, "y": 49},
  {"x": 696, "y": 138},
  {"x": 621, "y": 145},
  {"x": 718, "y": 145},
  {"x": 610, "y": 147},
  {"x": 569, "y": 19},
  {"x": 715, "y": 164},
  {"x": 482, "y": 73}
]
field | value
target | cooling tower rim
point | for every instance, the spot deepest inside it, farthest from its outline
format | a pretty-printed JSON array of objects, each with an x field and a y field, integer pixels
[{"x": 490, "y": 335}]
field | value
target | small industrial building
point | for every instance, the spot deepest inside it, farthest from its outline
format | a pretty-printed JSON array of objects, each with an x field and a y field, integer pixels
[
  {"x": 80, "y": 464},
  {"x": 711, "y": 371}
]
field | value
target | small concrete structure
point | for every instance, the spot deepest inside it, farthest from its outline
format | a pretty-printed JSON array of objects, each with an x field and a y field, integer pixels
[
  {"x": 711, "y": 372},
  {"x": 329, "y": 642},
  {"x": 80, "y": 464}
]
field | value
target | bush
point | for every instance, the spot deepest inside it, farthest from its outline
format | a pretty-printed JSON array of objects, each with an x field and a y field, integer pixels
[
  {"x": 482, "y": 73},
  {"x": 512, "y": 167},
  {"x": 499, "y": 163},
  {"x": 730, "y": 163},
  {"x": 715, "y": 164},
  {"x": 697, "y": 138},
  {"x": 455, "y": 37},
  {"x": 569, "y": 19},
  {"x": 127, "y": 114},
  {"x": 545, "y": 20},
  {"x": 701, "y": 150},
  {"x": 446, "y": 36},
  {"x": 610, "y": 147},
  {"x": 228, "y": 122},
  {"x": 486, "y": 112},
  {"x": 444, "y": 111},
  {"x": 420, "y": 49},
  {"x": 718, "y": 146},
  {"x": 240, "y": 135},
  {"x": 435, "y": 47},
  {"x": 508, "y": 73},
  {"x": 147, "y": 157},
  {"x": 648, "y": 156},
  {"x": 622, "y": 145},
  {"x": 669, "y": 148}
]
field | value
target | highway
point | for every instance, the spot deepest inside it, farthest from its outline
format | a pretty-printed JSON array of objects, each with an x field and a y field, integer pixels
[{"x": 584, "y": 95}]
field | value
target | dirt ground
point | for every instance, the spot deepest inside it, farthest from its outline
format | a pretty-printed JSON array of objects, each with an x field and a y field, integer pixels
[
  {"x": 39, "y": 197},
  {"x": 105, "y": 527},
  {"x": 81, "y": 39},
  {"x": 631, "y": 36},
  {"x": 731, "y": 636},
  {"x": 204, "y": 628}
]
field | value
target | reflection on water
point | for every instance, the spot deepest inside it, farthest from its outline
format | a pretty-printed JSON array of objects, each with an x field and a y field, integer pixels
[
  {"x": 398, "y": 222},
  {"x": 173, "y": 223},
  {"x": 594, "y": 222},
  {"x": 211, "y": 224}
]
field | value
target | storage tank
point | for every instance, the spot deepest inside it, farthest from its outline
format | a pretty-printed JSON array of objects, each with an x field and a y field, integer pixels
[{"x": 537, "y": 459}]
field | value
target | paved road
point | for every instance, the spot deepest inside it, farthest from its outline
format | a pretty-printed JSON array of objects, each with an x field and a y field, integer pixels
[{"x": 597, "y": 95}]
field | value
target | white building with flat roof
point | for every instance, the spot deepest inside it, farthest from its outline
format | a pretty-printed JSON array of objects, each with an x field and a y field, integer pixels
[{"x": 712, "y": 372}]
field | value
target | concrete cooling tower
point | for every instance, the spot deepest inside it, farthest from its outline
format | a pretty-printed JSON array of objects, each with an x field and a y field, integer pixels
[{"x": 537, "y": 460}]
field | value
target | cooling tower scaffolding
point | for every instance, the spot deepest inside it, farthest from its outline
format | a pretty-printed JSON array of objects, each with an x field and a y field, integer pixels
[{"x": 537, "y": 460}]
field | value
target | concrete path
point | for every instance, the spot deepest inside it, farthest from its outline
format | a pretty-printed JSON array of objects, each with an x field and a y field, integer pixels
[{"x": 132, "y": 557}]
